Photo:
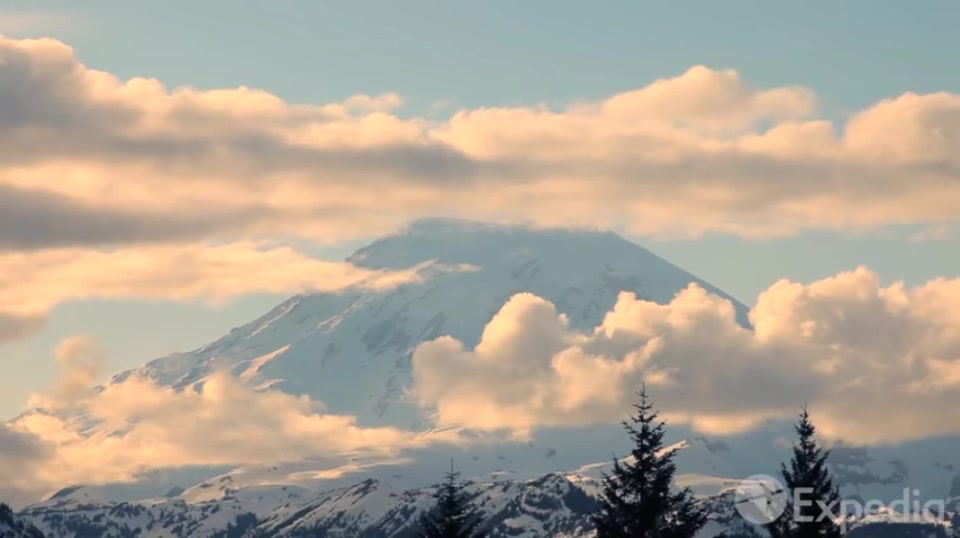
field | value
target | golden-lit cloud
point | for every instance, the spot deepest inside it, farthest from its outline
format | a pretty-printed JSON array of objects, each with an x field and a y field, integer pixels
[
  {"x": 79, "y": 359},
  {"x": 31, "y": 283},
  {"x": 115, "y": 433},
  {"x": 89, "y": 159},
  {"x": 874, "y": 363},
  {"x": 101, "y": 176}
]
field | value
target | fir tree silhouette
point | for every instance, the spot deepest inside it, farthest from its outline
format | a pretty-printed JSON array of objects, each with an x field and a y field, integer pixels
[
  {"x": 636, "y": 500},
  {"x": 808, "y": 481},
  {"x": 453, "y": 515}
]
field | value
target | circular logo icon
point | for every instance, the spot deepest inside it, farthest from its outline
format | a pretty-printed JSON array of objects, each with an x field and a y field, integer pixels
[{"x": 760, "y": 499}]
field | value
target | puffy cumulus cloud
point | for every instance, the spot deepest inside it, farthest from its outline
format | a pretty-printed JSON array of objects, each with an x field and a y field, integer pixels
[
  {"x": 109, "y": 161},
  {"x": 874, "y": 363},
  {"x": 910, "y": 128},
  {"x": 31, "y": 283},
  {"x": 134, "y": 426}
]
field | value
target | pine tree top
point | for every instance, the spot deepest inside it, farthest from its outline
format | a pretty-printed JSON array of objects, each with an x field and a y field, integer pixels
[
  {"x": 453, "y": 515},
  {"x": 807, "y": 478},
  {"x": 637, "y": 499}
]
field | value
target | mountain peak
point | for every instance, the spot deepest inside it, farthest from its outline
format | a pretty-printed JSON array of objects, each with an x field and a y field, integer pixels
[
  {"x": 352, "y": 350},
  {"x": 486, "y": 244},
  {"x": 455, "y": 225}
]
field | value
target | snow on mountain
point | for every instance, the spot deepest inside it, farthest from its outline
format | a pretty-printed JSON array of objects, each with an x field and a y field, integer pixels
[
  {"x": 546, "y": 506},
  {"x": 351, "y": 350},
  {"x": 551, "y": 505}
]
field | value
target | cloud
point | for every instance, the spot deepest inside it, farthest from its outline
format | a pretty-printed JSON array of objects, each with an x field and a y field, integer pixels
[
  {"x": 80, "y": 359},
  {"x": 131, "y": 427},
  {"x": 700, "y": 151},
  {"x": 29, "y": 22},
  {"x": 875, "y": 363},
  {"x": 31, "y": 283},
  {"x": 22, "y": 456},
  {"x": 19, "y": 326},
  {"x": 939, "y": 232},
  {"x": 32, "y": 219}
]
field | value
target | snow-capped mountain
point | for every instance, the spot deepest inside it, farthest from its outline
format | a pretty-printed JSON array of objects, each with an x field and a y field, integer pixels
[
  {"x": 554, "y": 505},
  {"x": 352, "y": 351},
  {"x": 551, "y": 505}
]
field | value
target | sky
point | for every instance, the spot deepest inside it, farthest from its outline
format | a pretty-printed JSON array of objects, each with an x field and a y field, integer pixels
[{"x": 745, "y": 142}]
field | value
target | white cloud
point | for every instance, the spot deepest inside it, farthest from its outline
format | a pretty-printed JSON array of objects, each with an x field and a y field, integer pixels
[
  {"x": 874, "y": 363},
  {"x": 31, "y": 283},
  {"x": 700, "y": 151}
]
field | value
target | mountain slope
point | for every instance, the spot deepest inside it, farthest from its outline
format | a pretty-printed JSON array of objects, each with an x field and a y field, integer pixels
[
  {"x": 553, "y": 505},
  {"x": 548, "y": 506},
  {"x": 351, "y": 350}
]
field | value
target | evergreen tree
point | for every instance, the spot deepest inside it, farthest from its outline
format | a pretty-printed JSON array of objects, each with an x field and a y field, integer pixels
[
  {"x": 16, "y": 525},
  {"x": 453, "y": 516},
  {"x": 808, "y": 481},
  {"x": 636, "y": 500}
]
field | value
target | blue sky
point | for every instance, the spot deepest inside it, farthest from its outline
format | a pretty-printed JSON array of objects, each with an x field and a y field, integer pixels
[
  {"x": 442, "y": 56},
  {"x": 501, "y": 52}
]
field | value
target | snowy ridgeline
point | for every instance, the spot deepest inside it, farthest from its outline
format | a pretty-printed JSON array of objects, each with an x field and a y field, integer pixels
[{"x": 552, "y": 506}]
